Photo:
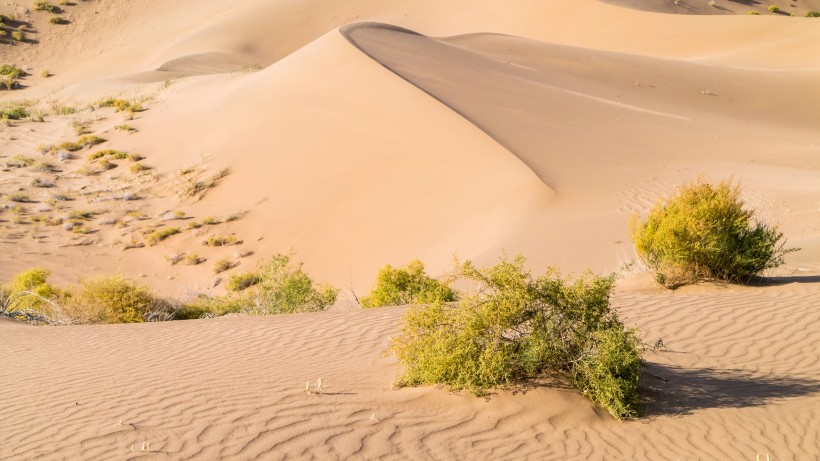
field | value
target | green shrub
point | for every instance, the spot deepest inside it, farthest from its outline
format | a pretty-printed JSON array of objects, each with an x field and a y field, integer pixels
[
  {"x": 515, "y": 328},
  {"x": 221, "y": 240},
  {"x": 222, "y": 265},
  {"x": 11, "y": 71},
  {"x": 774, "y": 9},
  {"x": 18, "y": 35},
  {"x": 241, "y": 282},
  {"x": 42, "y": 5},
  {"x": 35, "y": 281},
  {"x": 407, "y": 285},
  {"x": 138, "y": 168},
  {"x": 15, "y": 112},
  {"x": 207, "y": 306},
  {"x": 113, "y": 300},
  {"x": 58, "y": 20},
  {"x": 20, "y": 161},
  {"x": 284, "y": 288},
  {"x": 813, "y": 14},
  {"x": 704, "y": 233},
  {"x": 753, "y": 13},
  {"x": 159, "y": 235}
]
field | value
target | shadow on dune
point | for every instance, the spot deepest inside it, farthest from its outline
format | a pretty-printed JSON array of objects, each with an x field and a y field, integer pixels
[
  {"x": 670, "y": 390},
  {"x": 779, "y": 281}
]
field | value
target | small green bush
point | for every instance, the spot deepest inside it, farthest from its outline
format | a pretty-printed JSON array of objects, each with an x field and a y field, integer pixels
[
  {"x": 11, "y": 71},
  {"x": 42, "y": 5},
  {"x": 813, "y": 14},
  {"x": 774, "y": 9},
  {"x": 407, "y": 285},
  {"x": 753, "y": 13},
  {"x": 159, "y": 235},
  {"x": 221, "y": 240},
  {"x": 20, "y": 161},
  {"x": 58, "y": 20},
  {"x": 704, "y": 233},
  {"x": 284, "y": 288},
  {"x": 15, "y": 112},
  {"x": 222, "y": 265},
  {"x": 138, "y": 168},
  {"x": 241, "y": 282},
  {"x": 515, "y": 328}
]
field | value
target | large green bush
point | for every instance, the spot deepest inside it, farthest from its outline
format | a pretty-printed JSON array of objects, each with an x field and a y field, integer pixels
[
  {"x": 516, "y": 327},
  {"x": 28, "y": 291},
  {"x": 114, "y": 300},
  {"x": 396, "y": 286},
  {"x": 704, "y": 233}
]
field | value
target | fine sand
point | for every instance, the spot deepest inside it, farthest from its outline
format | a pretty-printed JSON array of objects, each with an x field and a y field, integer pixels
[{"x": 362, "y": 133}]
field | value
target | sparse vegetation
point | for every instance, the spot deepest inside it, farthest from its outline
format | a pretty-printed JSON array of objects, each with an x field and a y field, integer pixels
[
  {"x": 813, "y": 14},
  {"x": 115, "y": 300},
  {"x": 20, "y": 161},
  {"x": 138, "y": 168},
  {"x": 193, "y": 259},
  {"x": 58, "y": 20},
  {"x": 14, "y": 111},
  {"x": 19, "y": 197},
  {"x": 516, "y": 327},
  {"x": 754, "y": 13},
  {"x": 159, "y": 235},
  {"x": 774, "y": 9},
  {"x": 407, "y": 285},
  {"x": 42, "y": 5},
  {"x": 704, "y": 233},
  {"x": 126, "y": 128}
]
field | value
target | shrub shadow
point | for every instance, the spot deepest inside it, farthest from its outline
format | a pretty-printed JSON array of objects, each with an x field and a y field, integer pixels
[
  {"x": 786, "y": 280},
  {"x": 671, "y": 390}
]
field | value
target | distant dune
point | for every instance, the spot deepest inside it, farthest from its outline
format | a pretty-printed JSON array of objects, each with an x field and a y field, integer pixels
[{"x": 362, "y": 133}]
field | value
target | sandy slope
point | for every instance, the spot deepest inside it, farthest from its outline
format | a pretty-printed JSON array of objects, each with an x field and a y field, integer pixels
[
  {"x": 741, "y": 378},
  {"x": 537, "y": 128}
]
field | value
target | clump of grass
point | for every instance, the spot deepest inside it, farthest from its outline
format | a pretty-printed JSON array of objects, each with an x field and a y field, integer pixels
[
  {"x": 517, "y": 327},
  {"x": 193, "y": 259},
  {"x": 121, "y": 105},
  {"x": 18, "y": 35},
  {"x": 14, "y": 111},
  {"x": 45, "y": 74},
  {"x": 175, "y": 258},
  {"x": 407, "y": 285},
  {"x": 241, "y": 282},
  {"x": 30, "y": 291},
  {"x": 138, "y": 168},
  {"x": 194, "y": 225},
  {"x": 753, "y": 13},
  {"x": 813, "y": 14},
  {"x": 111, "y": 153},
  {"x": 195, "y": 188},
  {"x": 58, "y": 20},
  {"x": 43, "y": 5},
  {"x": 79, "y": 215},
  {"x": 106, "y": 164},
  {"x": 44, "y": 167},
  {"x": 704, "y": 233},
  {"x": 20, "y": 161},
  {"x": 222, "y": 265},
  {"x": 774, "y": 9},
  {"x": 82, "y": 142},
  {"x": 210, "y": 221},
  {"x": 135, "y": 157},
  {"x": 159, "y": 235},
  {"x": 125, "y": 128},
  {"x": 19, "y": 197},
  {"x": 221, "y": 241}
]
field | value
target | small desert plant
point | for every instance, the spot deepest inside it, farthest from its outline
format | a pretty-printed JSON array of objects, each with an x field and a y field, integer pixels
[
  {"x": 19, "y": 197},
  {"x": 12, "y": 71},
  {"x": 18, "y": 35},
  {"x": 702, "y": 233},
  {"x": 43, "y": 5},
  {"x": 45, "y": 74},
  {"x": 221, "y": 241},
  {"x": 193, "y": 259},
  {"x": 241, "y": 282},
  {"x": 174, "y": 258},
  {"x": 126, "y": 128},
  {"x": 407, "y": 285},
  {"x": 774, "y": 9},
  {"x": 14, "y": 112},
  {"x": 43, "y": 167},
  {"x": 222, "y": 265},
  {"x": 753, "y": 13},
  {"x": 813, "y": 14},
  {"x": 43, "y": 183},
  {"x": 20, "y": 161},
  {"x": 516, "y": 327},
  {"x": 159, "y": 235},
  {"x": 138, "y": 168},
  {"x": 284, "y": 287},
  {"x": 210, "y": 221},
  {"x": 58, "y": 20}
]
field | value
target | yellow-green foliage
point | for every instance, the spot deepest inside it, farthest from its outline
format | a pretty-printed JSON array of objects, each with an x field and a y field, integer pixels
[
  {"x": 813, "y": 14},
  {"x": 20, "y": 161},
  {"x": 284, "y": 287},
  {"x": 241, "y": 282},
  {"x": 13, "y": 112},
  {"x": 704, "y": 233},
  {"x": 137, "y": 168},
  {"x": 516, "y": 327},
  {"x": 222, "y": 265},
  {"x": 11, "y": 71},
  {"x": 204, "y": 306},
  {"x": 113, "y": 300},
  {"x": 43, "y": 5},
  {"x": 120, "y": 105},
  {"x": 34, "y": 281},
  {"x": 221, "y": 240},
  {"x": 159, "y": 235},
  {"x": 407, "y": 285}
]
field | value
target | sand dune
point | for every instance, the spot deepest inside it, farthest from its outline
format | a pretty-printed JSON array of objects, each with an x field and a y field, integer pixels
[
  {"x": 362, "y": 133},
  {"x": 741, "y": 378}
]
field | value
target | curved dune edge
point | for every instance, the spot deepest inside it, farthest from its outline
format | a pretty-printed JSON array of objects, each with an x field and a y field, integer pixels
[{"x": 739, "y": 378}]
